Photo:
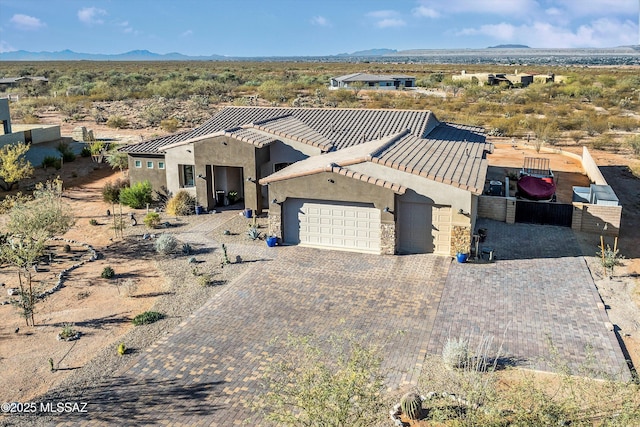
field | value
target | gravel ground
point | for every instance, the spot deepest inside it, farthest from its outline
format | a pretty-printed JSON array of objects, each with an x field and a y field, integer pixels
[{"x": 180, "y": 294}]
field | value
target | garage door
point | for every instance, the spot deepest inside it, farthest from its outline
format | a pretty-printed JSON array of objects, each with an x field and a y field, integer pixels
[
  {"x": 424, "y": 228},
  {"x": 332, "y": 224}
]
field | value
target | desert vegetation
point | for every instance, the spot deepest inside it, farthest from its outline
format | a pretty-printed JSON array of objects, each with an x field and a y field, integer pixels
[{"x": 595, "y": 106}]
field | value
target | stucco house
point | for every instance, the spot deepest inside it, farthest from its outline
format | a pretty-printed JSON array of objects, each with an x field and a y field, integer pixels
[
  {"x": 375, "y": 181},
  {"x": 372, "y": 81},
  {"x": 482, "y": 79}
]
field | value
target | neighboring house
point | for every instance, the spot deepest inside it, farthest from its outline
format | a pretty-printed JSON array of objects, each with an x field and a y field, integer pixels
[
  {"x": 521, "y": 79},
  {"x": 15, "y": 81},
  {"x": 372, "y": 81},
  {"x": 376, "y": 181},
  {"x": 29, "y": 134}
]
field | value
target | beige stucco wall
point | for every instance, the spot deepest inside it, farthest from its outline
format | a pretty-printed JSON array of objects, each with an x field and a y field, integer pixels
[
  {"x": 155, "y": 176},
  {"x": 344, "y": 189},
  {"x": 598, "y": 219},
  {"x": 174, "y": 157},
  {"x": 492, "y": 207},
  {"x": 225, "y": 151},
  {"x": 436, "y": 192}
]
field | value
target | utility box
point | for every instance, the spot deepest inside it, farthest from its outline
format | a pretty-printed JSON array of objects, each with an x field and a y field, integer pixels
[{"x": 495, "y": 188}]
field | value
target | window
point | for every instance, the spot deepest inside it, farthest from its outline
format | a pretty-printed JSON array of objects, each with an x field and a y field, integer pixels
[
  {"x": 138, "y": 163},
  {"x": 187, "y": 176},
  {"x": 149, "y": 165},
  {"x": 160, "y": 165}
]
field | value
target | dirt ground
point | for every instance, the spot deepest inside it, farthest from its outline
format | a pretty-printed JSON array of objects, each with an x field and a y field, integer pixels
[
  {"x": 98, "y": 308},
  {"x": 101, "y": 312}
]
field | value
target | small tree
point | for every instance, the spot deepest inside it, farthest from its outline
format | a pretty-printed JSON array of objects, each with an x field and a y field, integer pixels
[
  {"x": 338, "y": 382},
  {"x": 118, "y": 160},
  {"x": 136, "y": 196},
  {"x": 31, "y": 222},
  {"x": 13, "y": 165}
]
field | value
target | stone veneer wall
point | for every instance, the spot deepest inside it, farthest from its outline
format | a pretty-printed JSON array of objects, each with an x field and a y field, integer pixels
[
  {"x": 460, "y": 236},
  {"x": 387, "y": 238},
  {"x": 275, "y": 225}
]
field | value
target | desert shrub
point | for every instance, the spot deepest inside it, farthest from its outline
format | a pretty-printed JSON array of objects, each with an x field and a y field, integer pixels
[
  {"x": 147, "y": 317},
  {"x": 602, "y": 141},
  {"x": 166, "y": 244},
  {"x": 152, "y": 219},
  {"x": 122, "y": 349},
  {"x": 634, "y": 143},
  {"x": 117, "y": 122},
  {"x": 68, "y": 331},
  {"x": 170, "y": 125},
  {"x": 626, "y": 123},
  {"x": 187, "y": 249},
  {"x": 205, "y": 279},
  {"x": 334, "y": 382},
  {"x": 181, "y": 204},
  {"x": 455, "y": 352},
  {"x": 66, "y": 248},
  {"x": 51, "y": 162},
  {"x": 30, "y": 119},
  {"x": 93, "y": 221},
  {"x": 137, "y": 196},
  {"x": 86, "y": 151},
  {"x": 67, "y": 154},
  {"x": 107, "y": 272},
  {"x": 111, "y": 190}
]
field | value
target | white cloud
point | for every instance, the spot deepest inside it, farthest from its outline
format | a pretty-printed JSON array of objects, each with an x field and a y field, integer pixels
[
  {"x": 600, "y": 7},
  {"x": 386, "y": 18},
  {"x": 91, "y": 15},
  {"x": 187, "y": 33},
  {"x": 502, "y": 31},
  {"x": 603, "y": 32},
  {"x": 320, "y": 21},
  {"x": 425, "y": 12},
  {"x": 26, "y": 22},
  {"x": 554, "y": 11},
  {"x": 382, "y": 14},
  {"x": 488, "y": 7},
  {"x": 390, "y": 23}
]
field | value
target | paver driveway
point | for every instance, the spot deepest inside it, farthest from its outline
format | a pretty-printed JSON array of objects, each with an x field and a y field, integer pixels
[
  {"x": 207, "y": 371},
  {"x": 538, "y": 291}
]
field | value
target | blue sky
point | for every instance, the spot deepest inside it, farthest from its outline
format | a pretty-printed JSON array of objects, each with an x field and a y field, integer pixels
[{"x": 311, "y": 27}]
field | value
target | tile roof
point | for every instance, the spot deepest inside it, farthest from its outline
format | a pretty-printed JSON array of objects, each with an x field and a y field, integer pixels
[
  {"x": 411, "y": 141},
  {"x": 343, "y": 127},
  {"x": 338, "y": 162},
  {"x": 458, "y": 161},
  {"x": 293, "y": 128}
]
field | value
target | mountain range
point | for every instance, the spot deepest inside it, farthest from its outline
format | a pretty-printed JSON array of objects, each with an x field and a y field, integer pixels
[{"x": 145, "y": 55}]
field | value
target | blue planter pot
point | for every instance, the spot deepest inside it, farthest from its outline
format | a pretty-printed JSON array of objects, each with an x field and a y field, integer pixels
[
  {"x": 462, "y": 257},
  {"x": 248, "y": 213},
  {"x": 271, "y": 241}
]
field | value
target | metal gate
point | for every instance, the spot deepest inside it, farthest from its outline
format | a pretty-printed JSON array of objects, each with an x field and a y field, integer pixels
[{"x": 544, "y": 213}]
